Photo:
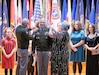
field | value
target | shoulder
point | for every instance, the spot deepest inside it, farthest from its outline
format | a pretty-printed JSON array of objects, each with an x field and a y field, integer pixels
[
  {"x": 82, "y": 31},
  {"x": 98, "y": 34},
  {"x": 19, "y": 28},
  {"x": 71, "y": 33},
  {"x": 3, "y": 40},
  {"x": 13, "y": 39}
]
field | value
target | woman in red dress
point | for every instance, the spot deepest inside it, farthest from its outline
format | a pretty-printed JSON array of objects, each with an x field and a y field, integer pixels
[{"x": 8, "y": 48}]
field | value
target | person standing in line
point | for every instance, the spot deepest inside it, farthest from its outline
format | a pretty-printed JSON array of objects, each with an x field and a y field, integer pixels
[
  {"x": 43, "y": 45},
  {"x": 60, "y": 53},
  {"x": 23, "y": 37},
  {"x": 92, "y": 43},
  {"x": 77, "y": 38},
  {"x": 32, "y": 64},
  {"x": 8, "y": 48}
]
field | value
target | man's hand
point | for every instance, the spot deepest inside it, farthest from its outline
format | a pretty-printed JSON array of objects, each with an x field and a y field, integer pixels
[
  {"x": 49, "y": 54},
  {"x": 35, "y": 30}
]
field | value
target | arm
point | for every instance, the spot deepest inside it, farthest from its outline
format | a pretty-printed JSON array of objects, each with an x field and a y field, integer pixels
[
  {"x": 86, "y": 46},
  {"x": 79, "y": 43},
  {"x": 72, "y": 47},
  {"x": 14, "y": 49},
  {"x": 27, "y": 35},
  {"x": 82, "y": 41},
  {"x": 2, "y": 48},
  {"x": 97, "y": 46},
  {"x": 4, "y": 52},
  {"x": 89, "y": 48},
  {"x": 12, "y": 52},
  {"x": 52, "y": 33}
]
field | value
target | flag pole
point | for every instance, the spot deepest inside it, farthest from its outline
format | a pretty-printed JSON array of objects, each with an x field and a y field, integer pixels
[{"x": 69, "y": 14}]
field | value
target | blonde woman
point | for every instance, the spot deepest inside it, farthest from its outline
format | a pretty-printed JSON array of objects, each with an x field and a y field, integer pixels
[{"x": 8, "y": 47}]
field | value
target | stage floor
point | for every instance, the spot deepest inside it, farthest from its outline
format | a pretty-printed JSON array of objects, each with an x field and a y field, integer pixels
[{"x": 70, "y": 69}]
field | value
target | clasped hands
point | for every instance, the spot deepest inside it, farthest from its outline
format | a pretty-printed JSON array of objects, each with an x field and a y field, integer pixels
[
  {"x": 74, "y": 48},
  {"x": 8, "y": 55}
]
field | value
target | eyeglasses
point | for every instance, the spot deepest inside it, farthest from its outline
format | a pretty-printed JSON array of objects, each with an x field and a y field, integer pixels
[{"x": 42, "y": 22}]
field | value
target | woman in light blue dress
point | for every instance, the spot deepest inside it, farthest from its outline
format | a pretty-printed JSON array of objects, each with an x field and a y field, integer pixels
[{"x": 77, "y": 38}]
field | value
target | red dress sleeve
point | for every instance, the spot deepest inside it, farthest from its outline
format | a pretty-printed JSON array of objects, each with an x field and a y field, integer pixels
[
  {"x": 3, "y": 42},
  {"x": 14, "y": 42}
]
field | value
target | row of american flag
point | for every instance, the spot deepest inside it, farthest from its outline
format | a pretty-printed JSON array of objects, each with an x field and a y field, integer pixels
[{"x": 34, "y": 10}]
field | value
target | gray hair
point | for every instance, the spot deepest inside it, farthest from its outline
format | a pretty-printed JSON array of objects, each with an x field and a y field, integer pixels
[
  {"x": 25, "y": 21},
  {"x": 42, "y": 20},
  {"x": 65, "y": 26}
]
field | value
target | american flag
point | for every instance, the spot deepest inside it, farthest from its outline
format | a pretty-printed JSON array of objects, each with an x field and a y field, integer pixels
[
  {"x": 5, "y": 17},
  {"x": 37, "y": 11}
]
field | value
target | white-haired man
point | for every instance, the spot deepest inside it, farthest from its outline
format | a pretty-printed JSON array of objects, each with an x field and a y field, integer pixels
[{"x": 43, "y": 45}]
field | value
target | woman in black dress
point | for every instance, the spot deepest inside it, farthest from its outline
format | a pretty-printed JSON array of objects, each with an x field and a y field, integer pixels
[
  {"x": 91, "y": 43},
  {"x": 60, "y": 53}
]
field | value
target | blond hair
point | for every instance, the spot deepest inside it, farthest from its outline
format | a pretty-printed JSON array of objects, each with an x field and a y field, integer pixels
[{"x": 5, "y": 30}]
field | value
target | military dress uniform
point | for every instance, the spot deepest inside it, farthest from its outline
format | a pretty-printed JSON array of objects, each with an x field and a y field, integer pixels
[{"x": 43, "y": 45}]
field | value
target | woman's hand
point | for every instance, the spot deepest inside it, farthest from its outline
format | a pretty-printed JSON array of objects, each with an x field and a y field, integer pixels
[
  {"x": 74, "y": 48},
  {"x": 9, "y": 55}
]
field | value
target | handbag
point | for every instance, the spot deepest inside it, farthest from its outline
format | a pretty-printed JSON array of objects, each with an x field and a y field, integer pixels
[{"x": 95, "y": 52}]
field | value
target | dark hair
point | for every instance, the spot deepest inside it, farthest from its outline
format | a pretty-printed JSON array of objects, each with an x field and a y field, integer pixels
[
  {"x": 37, "y": 23},
  {"x": 94, "y": 30},
  {"x": 65, "y": 26}
]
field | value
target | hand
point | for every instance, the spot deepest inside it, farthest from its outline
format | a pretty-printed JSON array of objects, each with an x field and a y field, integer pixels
[
  {"x": 35, "y": 30},
  {"x": 35, "y": 59},
  {"x": 30, "y": 48},
  {"x": 8, "y": 56},
  {"x": 73, "y": 48},
  {"x": 49, "y": 54}
]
